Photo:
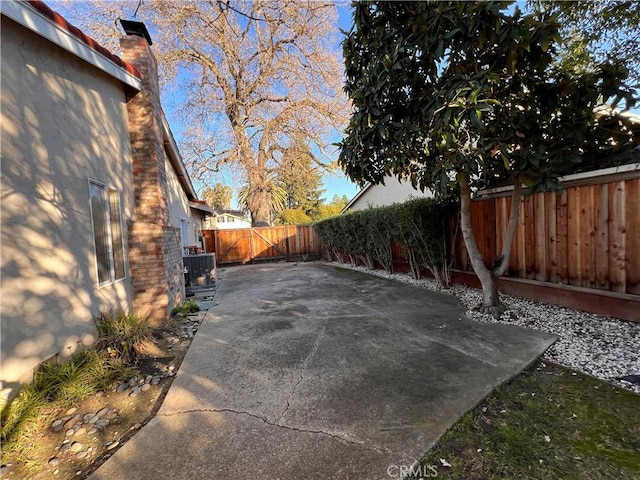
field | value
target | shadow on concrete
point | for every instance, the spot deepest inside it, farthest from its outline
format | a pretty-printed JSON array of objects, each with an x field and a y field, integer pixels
[{"x": 308, "y": 371}]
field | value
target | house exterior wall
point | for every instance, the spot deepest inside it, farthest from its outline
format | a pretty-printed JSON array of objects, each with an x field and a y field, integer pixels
[
  {"x": 391, "y": 192},
  {"x": 181, "y": 215},
  {"x": 214, "y": 223},
  {"x": 156, "y": 252},
  {"x": 64, "y": 123},
  {"x": 196, "y": 226}
]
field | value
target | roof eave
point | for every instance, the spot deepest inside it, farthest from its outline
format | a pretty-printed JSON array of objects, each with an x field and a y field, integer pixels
[
  {"x": 176, "y": 160},
  {"x": 202, "y": 207},
  {"x": 40, "y": 19},
  {"x": 356, "y": 197}
]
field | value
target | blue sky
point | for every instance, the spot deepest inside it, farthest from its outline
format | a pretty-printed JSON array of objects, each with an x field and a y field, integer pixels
[
  {"x": 335, "y": 183},
  {"x": 338, "y": 183}
]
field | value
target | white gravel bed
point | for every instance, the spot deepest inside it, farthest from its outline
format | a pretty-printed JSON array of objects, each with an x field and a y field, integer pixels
[{"x": 603, "y": 347}]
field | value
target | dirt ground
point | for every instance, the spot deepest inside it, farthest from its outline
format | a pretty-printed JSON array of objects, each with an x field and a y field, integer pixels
[{"x": 51, "y": 460}]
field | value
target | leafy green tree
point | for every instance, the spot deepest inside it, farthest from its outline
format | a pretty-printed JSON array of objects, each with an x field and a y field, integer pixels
[
  {"x": 271, "y": 189},
  {"x": 331, "y": 209},
  {"x": 301, "y": 177},
  {"x": 293, "y": 216},
  {"x": 595, "y": 32},
  {"x": 219, "y": 196},
  {"x": 466, "y": 92}
]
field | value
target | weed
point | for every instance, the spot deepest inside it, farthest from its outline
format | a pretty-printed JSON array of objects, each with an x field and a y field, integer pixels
[
  {"x": 122, "y": 336},
  {"x": 55, "y": 387},
  {"x": 186, "y": 308}
]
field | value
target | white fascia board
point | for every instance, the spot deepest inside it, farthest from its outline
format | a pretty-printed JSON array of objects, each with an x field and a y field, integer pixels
[
  {"x": 356, "y": 197},
  {"x": 33, "y": 20},
  {"x": 176, "y": 160}
]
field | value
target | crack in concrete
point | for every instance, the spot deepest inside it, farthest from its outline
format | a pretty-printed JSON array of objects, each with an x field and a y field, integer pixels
[
  {"x": 304, "y": 367},
  {"x": 377, "y": 448}
]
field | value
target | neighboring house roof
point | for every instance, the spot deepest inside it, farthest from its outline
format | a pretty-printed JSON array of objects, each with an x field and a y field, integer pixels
[
  {"x": 396, "y": 191},
  {"x": 625, "y": 114},
  {"x": 40, "y": 19},
  {"x": 239, "y": 214},
  {"x": 610, "y": 174},
  {"x": 366, "y": 187}
]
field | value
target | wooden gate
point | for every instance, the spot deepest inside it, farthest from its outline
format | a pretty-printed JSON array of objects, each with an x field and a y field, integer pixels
[{"x": 247, "y": 245}]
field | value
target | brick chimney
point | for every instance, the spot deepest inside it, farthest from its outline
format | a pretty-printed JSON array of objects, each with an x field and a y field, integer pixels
[{"x": 155, "y": 251}]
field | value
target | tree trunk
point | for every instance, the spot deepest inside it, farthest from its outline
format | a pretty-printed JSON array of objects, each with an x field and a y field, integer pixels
[
  {"x": 258, "y": 200},
  {"x": 488, "y": 278},
  {"x": 260, "y": 210},
  {"x": 490, "y": 298}
]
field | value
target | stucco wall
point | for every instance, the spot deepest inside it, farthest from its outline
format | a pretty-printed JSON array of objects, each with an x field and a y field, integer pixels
[
  {"x": 178, "y": 203},
  {"x": 63, "y": 122},
  {"x": 391, "y": 192}
]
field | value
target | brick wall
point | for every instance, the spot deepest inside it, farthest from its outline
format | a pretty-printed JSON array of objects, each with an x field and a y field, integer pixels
[
  {"x": 174, "y": 266},
  {"x": 155, "y": 252}
]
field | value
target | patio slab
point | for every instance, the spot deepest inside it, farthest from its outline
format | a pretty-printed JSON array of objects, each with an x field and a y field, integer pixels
[{"x": 311, "y": 371}]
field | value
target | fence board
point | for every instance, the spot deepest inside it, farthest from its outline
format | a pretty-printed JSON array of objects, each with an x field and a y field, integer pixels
[
  {"x": 522, "y": 242},
  {"x": 530, "y": 237},
  {"x": 540, "y": 235},
  {"x": 562, "y": 223},
  {"x": 552, "y": 242},
  {"x": 585, "y": 235},
  {"x": 632, "y": 195},
  {"x": 617, "y": 244},
  {"x": 601, "y": 195},
  {"x": 574, "y": 270},
  {"x": 264, "y": 243}
]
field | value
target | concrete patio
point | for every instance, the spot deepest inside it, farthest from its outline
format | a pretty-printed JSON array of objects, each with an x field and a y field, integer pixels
[{"x": 311, "y": 371}]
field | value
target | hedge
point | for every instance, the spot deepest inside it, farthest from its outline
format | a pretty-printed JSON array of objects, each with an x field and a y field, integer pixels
[{"x": 424, "y": 228}]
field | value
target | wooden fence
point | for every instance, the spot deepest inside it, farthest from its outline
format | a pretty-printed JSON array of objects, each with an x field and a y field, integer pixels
[
  {"x": 247, "y": 245},
  {"x": 585, "y": 236}
]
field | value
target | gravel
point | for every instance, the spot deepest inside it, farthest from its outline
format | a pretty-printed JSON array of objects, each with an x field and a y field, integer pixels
[{"x": 599, "y": 346}]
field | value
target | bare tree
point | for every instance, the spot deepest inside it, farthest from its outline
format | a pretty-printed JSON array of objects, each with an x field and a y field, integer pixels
[{"x": 250, "y": 76}]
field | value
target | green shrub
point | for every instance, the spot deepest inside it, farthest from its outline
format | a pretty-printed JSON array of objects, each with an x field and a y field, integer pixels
[
  {"x": 424, "y": 228},
  {"x": 56, "y": 387},
  {"x": 186, "y": 308},
  {"x": 293, "y": 216},
  {"x": 122, "y": 336}
]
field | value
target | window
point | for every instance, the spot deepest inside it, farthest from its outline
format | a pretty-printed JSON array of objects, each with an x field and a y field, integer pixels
[
  {"x": 184, "y": 232},
  {"x": 107, "y": 233},
  {"x": 231, "y": 219}
]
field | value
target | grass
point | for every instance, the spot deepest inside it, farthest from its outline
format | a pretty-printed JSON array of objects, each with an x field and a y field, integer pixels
[
  {"x": 122, "y": 336},
  {"x": 548, "y": 423},
  {"x": 55, "y": 387},
  {"x": 186, "y": 308}
]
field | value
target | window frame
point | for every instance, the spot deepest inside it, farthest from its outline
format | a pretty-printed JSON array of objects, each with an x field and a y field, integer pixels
[
  {"x": 185, "y": 226},
  {"x": 108, "y": 195}
]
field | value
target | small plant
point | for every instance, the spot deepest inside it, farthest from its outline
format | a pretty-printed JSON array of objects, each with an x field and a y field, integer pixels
[
  {"x": 186, "y": 308},
  {"x": 55, "y": 387},
  {"x": 122, "y": 336}
]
